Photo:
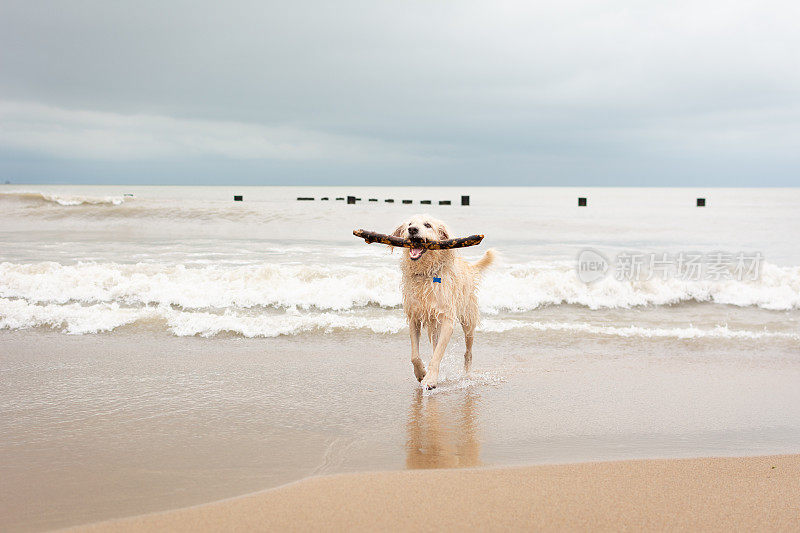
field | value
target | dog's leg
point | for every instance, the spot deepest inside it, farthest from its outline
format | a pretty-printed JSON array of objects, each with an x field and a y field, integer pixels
[
  {"x": 445, "y": 331},
  {"x": 419, "y": 369},
  {"x": 469, "y": 334},
  {"x": 434, "y": 334}
]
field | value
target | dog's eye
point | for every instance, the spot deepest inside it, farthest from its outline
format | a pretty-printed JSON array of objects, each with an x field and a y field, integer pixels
[{"x": 427, "y": 225}]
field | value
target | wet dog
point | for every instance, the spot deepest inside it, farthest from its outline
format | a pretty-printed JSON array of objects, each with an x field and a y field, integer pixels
[{"x": 439, "y": 289}]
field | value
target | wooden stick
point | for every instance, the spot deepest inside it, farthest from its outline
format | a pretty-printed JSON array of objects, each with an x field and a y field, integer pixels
[{"x": 461, "y": 242}]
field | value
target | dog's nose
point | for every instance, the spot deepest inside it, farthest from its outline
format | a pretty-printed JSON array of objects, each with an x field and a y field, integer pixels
[{"x": 412, "y": 230}]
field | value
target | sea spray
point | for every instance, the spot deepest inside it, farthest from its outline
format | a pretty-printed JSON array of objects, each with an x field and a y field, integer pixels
[
  {"x": 77, "y": 319},
  {"x": 514, "y": 288}
]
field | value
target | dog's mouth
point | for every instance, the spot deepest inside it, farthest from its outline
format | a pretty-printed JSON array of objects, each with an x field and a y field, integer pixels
[{"x": 416, "y": 253}]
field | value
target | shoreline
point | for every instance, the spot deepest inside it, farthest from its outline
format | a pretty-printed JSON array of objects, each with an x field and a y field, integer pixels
[
  {"x": 131, "y": 423},
  {"x": 712, "y": 493}
]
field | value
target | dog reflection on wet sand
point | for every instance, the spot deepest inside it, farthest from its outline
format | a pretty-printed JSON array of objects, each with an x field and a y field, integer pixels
[{"x": 440, "y": 436}]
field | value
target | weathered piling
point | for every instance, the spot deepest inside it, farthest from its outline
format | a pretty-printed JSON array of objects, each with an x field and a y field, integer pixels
[
  {"x": 407, "y": 201},
  {"x": 581, "y": 201},
  {"x": 237, "y": 198},
  {"x": 351, "y": 199},
  {"x": 465, "y": 200},
  {"x": 444, "y": 202},
  {"x": 373, "y": 199},
  {"x": 701, "y": 202},
  {"x": 340, "y": 198},
  {"x": 426, "y": 202},
  {"x": 305, "y": 198},
  {"x": 389, "y": 200}
]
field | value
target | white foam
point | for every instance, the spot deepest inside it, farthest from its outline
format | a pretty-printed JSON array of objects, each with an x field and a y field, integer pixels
[
  {"x": 691, "y": 332},
  {"x": 64, "y": 199},
  {"x": 525, "y": 287},
  {"x": 208, "y": 325},
  {"x": 342, "y": 287},
  {"x": 466, "y": 380},
  {"x": 72, "y": 318},
  {"x": 75, "y": 318},
  {"x": 214, "y": 286}
]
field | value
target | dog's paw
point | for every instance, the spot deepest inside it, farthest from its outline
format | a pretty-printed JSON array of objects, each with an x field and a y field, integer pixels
[
  {"x": 429, "y": 382},
  {"x": 419, "y": 369}
]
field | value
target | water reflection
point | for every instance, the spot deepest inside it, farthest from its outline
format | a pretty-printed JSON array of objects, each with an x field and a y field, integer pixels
[{"x": 443, "y": 430}]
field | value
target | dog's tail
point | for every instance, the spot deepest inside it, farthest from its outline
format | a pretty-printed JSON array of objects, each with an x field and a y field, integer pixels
[{"x": 484, "y": 262}]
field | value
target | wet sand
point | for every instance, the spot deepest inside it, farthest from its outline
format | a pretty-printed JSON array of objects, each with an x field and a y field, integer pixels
[
  {"x": 99, "y": 427},
  {"x": 710, "y": 494}
]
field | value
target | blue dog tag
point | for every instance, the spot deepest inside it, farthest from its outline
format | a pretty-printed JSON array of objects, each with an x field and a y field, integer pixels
[{"x": 437, "y": 280}]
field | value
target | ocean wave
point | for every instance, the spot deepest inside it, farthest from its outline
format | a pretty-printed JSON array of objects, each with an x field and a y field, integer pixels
[
  {"x": 42, "y": 206},
  {"x": 515, "y": 288},
  {"x": 77, "y": 319},
  {"x": 527, "y": 287},
  {"x": 281, "y": 286},
  {"x": 690, "y": 332},
  {"x": 61, "y": 199}
]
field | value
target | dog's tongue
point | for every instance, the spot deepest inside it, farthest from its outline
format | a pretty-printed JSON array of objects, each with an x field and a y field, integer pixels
[{"x": 416, "y": 252}]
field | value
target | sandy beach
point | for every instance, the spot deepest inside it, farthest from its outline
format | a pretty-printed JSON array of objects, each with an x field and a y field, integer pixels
[
  {"x": 709, "y": 494},
  {"x": 100, "y": 430}
]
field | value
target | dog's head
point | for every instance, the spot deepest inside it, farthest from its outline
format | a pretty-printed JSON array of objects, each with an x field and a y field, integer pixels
[{"x": 423, "y": 228}]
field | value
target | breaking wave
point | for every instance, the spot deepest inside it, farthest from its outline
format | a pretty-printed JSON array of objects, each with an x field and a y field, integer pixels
[
  {"x": 516, "y": 288},
  {"x": 691, "y": 332},
  {"x": 268, "y": 300},
  {"x": 79, "y": 319},
  {"x": 219, "y": 287},
  {"x": 528, "y": 287},
  {"x": 63, "y": 200}
]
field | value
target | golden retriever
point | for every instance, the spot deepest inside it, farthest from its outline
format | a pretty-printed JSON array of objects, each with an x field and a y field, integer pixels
[{"x": 439, "y": 288}]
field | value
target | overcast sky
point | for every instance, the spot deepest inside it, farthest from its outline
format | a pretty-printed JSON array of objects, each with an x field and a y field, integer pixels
[{"x": 420, "y": 93}]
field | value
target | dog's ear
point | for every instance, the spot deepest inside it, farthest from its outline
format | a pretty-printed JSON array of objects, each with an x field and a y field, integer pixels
[
  {"x": 444, "y": 233},
  {"x": 398, "y": 232}
]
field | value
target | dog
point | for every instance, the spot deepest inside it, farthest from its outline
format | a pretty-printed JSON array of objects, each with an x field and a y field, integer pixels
[{"x": 439, "y": 288}]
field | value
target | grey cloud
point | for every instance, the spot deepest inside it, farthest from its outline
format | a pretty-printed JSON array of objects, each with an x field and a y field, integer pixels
[{"x": 537, "y": 92}]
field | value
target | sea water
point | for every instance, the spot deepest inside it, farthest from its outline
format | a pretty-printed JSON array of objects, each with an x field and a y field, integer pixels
[
  {"x": 166, "y": 346},
  {"x": 88, "y": 259}
]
